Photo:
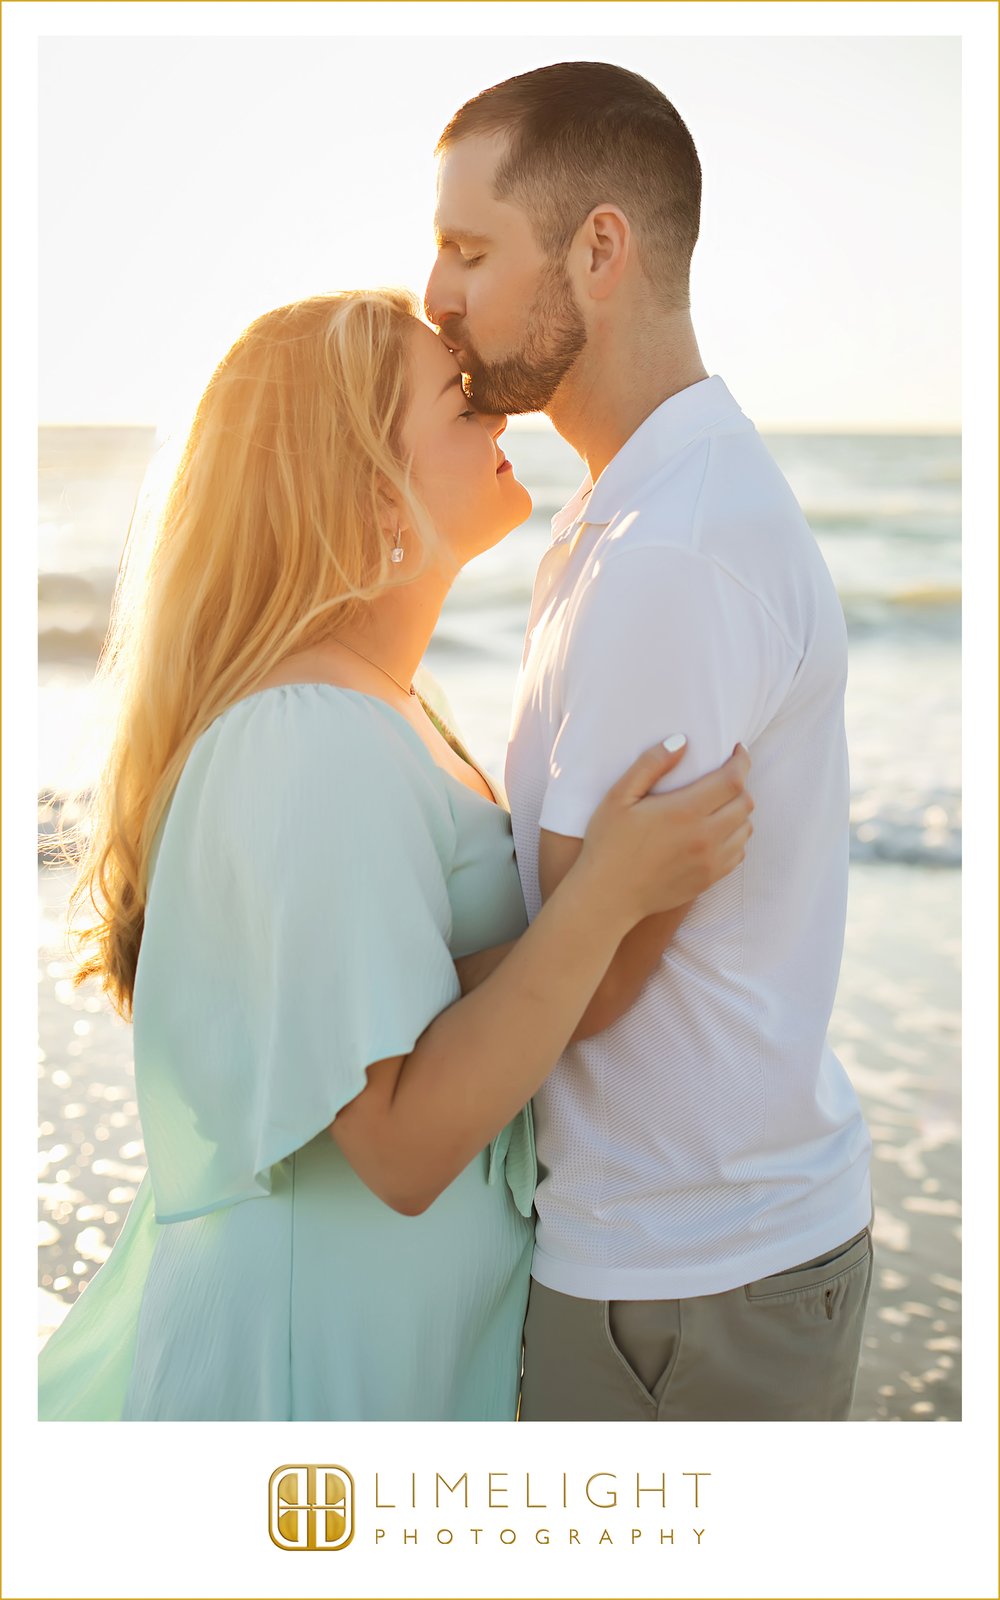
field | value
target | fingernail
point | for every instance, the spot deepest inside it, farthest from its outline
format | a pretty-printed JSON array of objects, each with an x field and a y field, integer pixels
[{"x": 677, "y": 741}]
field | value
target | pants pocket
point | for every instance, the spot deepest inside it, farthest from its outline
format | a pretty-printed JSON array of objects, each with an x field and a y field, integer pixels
[
  {"x": 644, "y": 1336},
  {"x": 824, "y": 1277}
]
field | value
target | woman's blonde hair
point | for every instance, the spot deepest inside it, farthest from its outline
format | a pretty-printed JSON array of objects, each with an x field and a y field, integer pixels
[{"x": 271, "y": 535}]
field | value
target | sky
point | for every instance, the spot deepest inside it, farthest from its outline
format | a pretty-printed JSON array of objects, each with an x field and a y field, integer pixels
[{"x": 188, "y": 184}]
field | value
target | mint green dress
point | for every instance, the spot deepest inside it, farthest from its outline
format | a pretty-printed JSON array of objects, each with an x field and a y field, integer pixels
[{"x": 314, "y": 877}]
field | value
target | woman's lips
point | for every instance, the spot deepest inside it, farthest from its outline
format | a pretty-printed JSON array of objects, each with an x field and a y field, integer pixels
[{"x": 504, "y": 466}]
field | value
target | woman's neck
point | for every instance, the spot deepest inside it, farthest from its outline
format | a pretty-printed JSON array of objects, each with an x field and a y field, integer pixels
[{"x": 386, "y": 645}]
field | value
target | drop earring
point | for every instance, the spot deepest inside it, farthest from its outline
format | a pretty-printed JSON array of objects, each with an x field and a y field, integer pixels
[{"x": 397, "y": 552}]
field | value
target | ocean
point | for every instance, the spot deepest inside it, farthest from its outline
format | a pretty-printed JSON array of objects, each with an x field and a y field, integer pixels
[{"x": 885, "y": 510}]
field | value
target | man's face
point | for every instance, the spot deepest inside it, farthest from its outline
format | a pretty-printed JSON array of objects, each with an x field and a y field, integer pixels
[{"x": 506, "y": 310}]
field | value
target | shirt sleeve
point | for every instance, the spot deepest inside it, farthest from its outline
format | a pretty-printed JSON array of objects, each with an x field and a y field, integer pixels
[
  {"x": 297, "y": 931},
  {"x": 663, "y": 641}
]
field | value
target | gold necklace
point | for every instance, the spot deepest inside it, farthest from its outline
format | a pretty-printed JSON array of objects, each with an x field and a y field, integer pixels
[{"x": 371, "y": 663}]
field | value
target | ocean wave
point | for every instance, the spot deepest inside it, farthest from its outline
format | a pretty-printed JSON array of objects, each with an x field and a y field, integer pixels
[
  {"x": 923, "y": 519},
  {"x": 896, "y": 616},
  {"x": 922, "y": 595},
  {"x": 79, "y": 646},
  {"x": 73, "y": 615},
  {"x": 939, "y": 511},
  {"x": 922, "y": 831},
  {"x": 907, "y": 847}
]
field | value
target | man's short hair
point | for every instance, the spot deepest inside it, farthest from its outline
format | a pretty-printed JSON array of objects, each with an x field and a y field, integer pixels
[{"x": 583, "y": 133}]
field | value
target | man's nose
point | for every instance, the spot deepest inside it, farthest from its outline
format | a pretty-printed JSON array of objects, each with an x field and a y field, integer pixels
[{"x": 443, "y": 297}]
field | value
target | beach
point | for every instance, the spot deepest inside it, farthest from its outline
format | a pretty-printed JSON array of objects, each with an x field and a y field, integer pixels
[
  {"x": 886, "y": 513},
  {"x": 896, "y": 1028}
]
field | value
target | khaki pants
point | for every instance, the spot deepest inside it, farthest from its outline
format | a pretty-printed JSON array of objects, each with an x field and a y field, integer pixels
[{"x": 782, "y": 1349}]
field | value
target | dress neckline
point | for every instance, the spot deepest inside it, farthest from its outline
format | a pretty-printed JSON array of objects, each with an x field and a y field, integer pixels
[{"x": 377, "y": 700}]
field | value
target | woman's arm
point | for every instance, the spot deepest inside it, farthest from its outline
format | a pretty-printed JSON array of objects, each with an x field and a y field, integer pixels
[
  {"x": 424, "y": 1116},
  {"x": 473, "y": 969},
  {"x": 636, "y": 958},
  {"x": 632, "y": 965}
]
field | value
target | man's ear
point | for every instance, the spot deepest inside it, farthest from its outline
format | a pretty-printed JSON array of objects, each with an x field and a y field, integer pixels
[{"x": 606, "y": 237}]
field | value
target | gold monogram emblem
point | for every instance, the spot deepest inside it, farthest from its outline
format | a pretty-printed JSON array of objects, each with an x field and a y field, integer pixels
[{"x": 311, "y": 1507}]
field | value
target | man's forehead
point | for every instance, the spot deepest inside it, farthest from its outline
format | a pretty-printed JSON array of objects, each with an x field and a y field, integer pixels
[
  {"x": 474, "y": 158},
  {"x": 465, "y": 194}
]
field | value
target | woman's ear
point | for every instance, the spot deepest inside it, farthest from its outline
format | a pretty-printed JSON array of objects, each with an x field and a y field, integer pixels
[{"x": 390, "y": 509}]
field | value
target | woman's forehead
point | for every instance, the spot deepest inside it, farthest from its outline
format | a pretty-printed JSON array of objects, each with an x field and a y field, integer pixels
[{"x": 432, "y": 359}]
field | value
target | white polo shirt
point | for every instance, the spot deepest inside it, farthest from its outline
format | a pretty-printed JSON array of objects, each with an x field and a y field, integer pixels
[{"x": 710, "y": 1136}]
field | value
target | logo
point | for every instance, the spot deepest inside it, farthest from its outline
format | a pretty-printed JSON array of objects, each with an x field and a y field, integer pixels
[{"x": 311, "y": 1507}]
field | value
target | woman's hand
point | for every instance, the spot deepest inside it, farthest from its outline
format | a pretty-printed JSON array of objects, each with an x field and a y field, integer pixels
[
  {"x": 424, "y": 1116},
  {"x": 649, "y": 853}
]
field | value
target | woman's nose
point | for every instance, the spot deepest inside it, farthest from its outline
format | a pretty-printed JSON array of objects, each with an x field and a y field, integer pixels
[{"x": 495, "y": 421}]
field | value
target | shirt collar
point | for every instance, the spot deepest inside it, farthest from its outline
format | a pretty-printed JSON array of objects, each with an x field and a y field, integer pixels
[
  {"x": 572, "y": 511},
  {"x": 663, "y": 434}
]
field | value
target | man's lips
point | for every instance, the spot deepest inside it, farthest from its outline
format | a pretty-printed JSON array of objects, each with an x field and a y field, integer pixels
[{"x": 455, "y": 348}]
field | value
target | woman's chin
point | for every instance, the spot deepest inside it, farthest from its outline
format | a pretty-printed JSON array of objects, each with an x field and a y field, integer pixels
[
  {"x": 523, "y": 504},
  {"x": 518, "y": 518},
  {"x": 512, "y": 515}
]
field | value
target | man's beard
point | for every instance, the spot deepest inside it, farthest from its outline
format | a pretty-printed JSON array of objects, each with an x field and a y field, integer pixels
[{"x": 527, "y": 380}]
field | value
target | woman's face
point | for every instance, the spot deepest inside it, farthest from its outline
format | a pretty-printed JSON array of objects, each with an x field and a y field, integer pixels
[{"x": 459, "y": 468}]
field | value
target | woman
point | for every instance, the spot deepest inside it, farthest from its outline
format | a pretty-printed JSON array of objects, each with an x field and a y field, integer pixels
[{"x": 288, "y": 857}]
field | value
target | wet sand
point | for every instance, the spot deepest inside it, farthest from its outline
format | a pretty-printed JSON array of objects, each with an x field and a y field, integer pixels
[{"x": 896, "y": 1028}]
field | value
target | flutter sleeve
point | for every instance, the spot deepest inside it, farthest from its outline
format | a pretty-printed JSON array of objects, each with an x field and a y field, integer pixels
[{"x": 297, "y": 930}]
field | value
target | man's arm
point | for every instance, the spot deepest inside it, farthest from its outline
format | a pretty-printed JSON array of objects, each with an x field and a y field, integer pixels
[
  {"x": 663, "y": 641},
  {"x": 638, "y": 955},
  {"x": 637, "y": 958}
]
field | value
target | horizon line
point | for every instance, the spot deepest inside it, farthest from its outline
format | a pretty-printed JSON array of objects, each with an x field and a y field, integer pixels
[{"x": 536, "y": 420}]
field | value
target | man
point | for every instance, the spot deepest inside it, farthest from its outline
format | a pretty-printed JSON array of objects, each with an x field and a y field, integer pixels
[{"x": 703, "y": 1246}]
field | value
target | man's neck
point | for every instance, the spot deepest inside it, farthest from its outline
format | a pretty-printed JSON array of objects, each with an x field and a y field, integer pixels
[{"x": 620, "y": 379}]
